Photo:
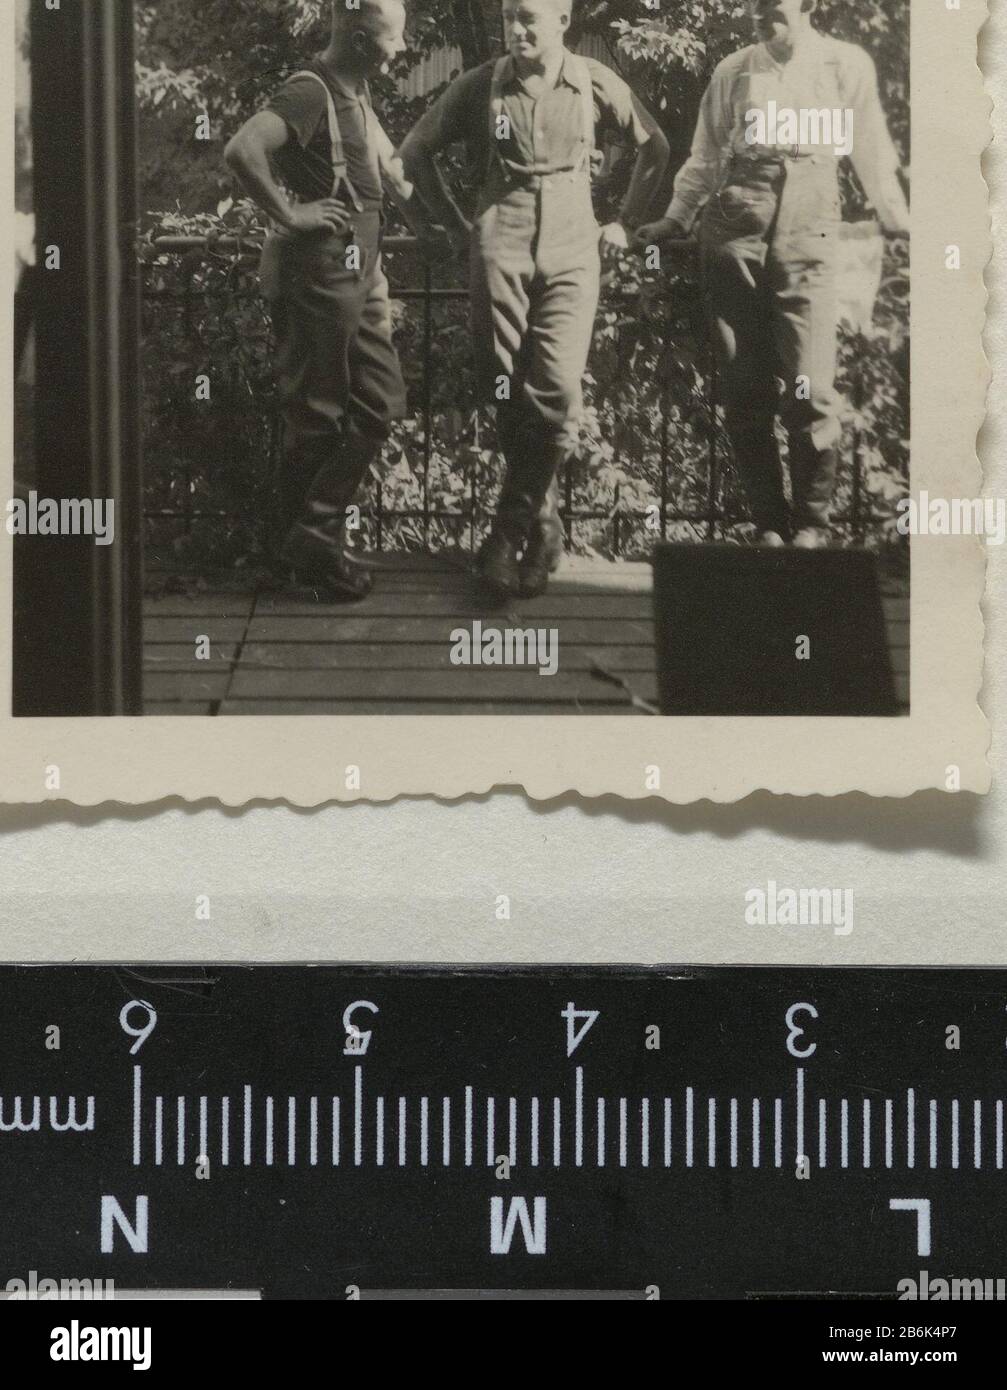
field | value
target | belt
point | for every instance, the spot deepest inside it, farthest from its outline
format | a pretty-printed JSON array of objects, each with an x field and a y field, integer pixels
[{"x": 537, "y": 178}]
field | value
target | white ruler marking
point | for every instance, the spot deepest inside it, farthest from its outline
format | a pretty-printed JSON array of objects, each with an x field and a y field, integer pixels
[
  {"x": 601, "y": 1132},
  {"x": 711, "y": 1136},
  {"x": 667, "y": 1131},
  {"x": 358, "y": 1116},
  {"x": 136, "y": 1116},
  {"x": 867, "y": 1133},
  {"x": 800, "y": 1114},
  {"x": 977, "y": 1133},
  {"x": 468, "y": 1126},
  {"x": 424, "y": 1131},
  {"x": 889, "y": 1132},
  {"x": 158, "y": 1129},
  {"x": 446, "y": 1132},
  {"x": 844, "y": 1133},
  {"x": 379, "y": 1131},
  {"x": 578, "y": 1119},
  {"x": 181, "y": 1130},
  {"x": 756, "y": 1124},
  {"x": 645, "y": 1133},
  {"x": 1000, "y": 1133},
  {"x": 534, "y": 1131},
  {"x": 335, "y": 1131},
  {"x": 689, "y": 1101},
  {"x": 823, "y": 1149},
  {"x": 203, "y": 1127},
  {"x": 269, "y": 1131},
  {"x": 933, "y": 1134},
  {"x": 491, "y": 1156},
  {"x": 954, "y": 1134},
  {"x": 291, "y": 1131},
  {"x": 247, "y": 1150},
  {"x": 734, "y": 1132},
  {"x": 313, "y": 1131},
  {"x": 910, "y": 1128},
  {"x": 225, "y": 1131},
  {"x": 778, "y": 1132},
  {"x": 512, "y": 1124},
  {"x": 622, "y": 1132},
  {"x": 557, "y": 1132},
  {"x": 402, "y": 1131}
]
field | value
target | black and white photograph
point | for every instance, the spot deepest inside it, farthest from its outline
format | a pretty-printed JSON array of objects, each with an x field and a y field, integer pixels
[
  {"x": 532, "y": 357},
  {"x": 390, "y": 377}
]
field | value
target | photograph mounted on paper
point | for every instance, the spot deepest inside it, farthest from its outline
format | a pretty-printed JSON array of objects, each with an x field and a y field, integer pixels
[{"x": 390, "y": 380}]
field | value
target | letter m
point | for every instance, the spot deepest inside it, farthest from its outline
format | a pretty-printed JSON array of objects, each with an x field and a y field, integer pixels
[
  {"x": 502, "y": 1232},
  {"x": 113, "y": 1215}
]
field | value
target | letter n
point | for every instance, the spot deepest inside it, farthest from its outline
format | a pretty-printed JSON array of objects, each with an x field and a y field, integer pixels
[
  {"x": 112, "y": 1214},
  {"x": 502, "y": 1233}
]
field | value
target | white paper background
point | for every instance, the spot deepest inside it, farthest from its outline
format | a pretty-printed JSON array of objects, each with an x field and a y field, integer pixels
[{"x": 586, "y": 882}]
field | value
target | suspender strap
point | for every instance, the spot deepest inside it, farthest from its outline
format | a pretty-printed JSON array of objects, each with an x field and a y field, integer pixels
[{"x": 340, "y": 176}]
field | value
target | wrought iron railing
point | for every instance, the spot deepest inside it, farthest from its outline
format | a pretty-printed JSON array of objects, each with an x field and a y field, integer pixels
[{"x": 656, "y": 462}]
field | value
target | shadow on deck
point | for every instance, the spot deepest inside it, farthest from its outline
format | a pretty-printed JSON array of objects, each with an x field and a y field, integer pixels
[{"x": 282, "y": 653}]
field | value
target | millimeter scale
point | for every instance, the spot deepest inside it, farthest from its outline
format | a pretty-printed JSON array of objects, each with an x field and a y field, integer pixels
[{"x": 343, "y": 1133}]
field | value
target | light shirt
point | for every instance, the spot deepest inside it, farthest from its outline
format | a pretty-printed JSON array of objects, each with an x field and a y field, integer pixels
[
  {"x": 824, "y": 75},
  {"x": 544, "y": 132}
]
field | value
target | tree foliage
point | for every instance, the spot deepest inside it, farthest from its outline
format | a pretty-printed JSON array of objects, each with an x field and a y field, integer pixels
[{"x": 648, "y": 429}]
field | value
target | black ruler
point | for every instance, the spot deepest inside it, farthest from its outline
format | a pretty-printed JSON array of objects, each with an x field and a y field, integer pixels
[{"x": 345, "y": 1133}]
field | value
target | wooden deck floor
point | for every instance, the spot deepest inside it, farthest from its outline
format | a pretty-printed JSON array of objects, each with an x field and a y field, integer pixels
[{"x": 286, "y": 653}]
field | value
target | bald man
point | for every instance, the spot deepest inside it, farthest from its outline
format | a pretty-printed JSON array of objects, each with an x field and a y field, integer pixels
[{"x": 340, "y": 382}]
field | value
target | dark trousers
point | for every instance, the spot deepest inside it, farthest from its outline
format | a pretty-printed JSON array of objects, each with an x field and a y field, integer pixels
[
  {"x": 337, "y": 369},
  {"x": 770, "y": 241}
]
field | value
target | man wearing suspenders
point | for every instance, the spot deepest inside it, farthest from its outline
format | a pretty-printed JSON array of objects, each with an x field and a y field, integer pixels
[
  {"x": 340, "y": 382},
  {"x": 530, "y": 121},
  {"x": 770, "y": 237}
]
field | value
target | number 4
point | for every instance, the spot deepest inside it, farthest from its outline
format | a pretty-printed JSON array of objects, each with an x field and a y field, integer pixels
[{"x": 574, "y": 1035}]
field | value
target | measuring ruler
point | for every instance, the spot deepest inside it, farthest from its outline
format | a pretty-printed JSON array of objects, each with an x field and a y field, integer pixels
[{"x": 372, "y": 1133}]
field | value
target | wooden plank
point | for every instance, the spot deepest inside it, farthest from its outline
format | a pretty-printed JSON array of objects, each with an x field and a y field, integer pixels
[
  {"x": 323, "y": 629},
  {"x": 460, "y": 584},
  {"x": 463, "y": 684},
  {"x": 213, "y": 605},
  {"x": 185, "y": 630},
  {"x": 464, "y": 608},
  {"x": 373, "y": 656},
  {"x": 579, "y": 569},
  {"x": 187, "y": 686},
  {"x": 171, "y": 657}
]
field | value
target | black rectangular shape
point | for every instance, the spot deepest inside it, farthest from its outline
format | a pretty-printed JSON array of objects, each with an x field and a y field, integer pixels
[
  {"x": 729, "y": 624},
  {"x": 853, "y": 1069}
]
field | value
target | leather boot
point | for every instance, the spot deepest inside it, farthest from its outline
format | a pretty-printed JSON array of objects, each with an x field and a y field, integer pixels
[
  {"x": 497, "y": 564},
  {"x": 315, "y": 547},
  {"x": 544, "y": 552}
]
